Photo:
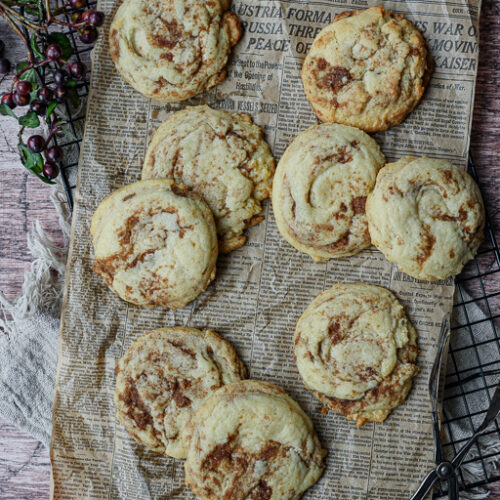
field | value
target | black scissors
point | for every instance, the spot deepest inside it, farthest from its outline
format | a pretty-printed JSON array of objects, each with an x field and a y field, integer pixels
[{"x": 447, "y": 471}]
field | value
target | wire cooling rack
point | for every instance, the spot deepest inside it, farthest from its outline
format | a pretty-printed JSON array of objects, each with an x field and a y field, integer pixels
[
  {"x": 474, "y": 361},
  {"x": 475, "y": 286},
  {"x": 74, "y": 118}
]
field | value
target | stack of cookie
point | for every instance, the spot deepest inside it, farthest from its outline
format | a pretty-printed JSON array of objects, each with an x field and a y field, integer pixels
[
  {"x": 204, "y": 177},
  {"x": 182, "y": 392}
]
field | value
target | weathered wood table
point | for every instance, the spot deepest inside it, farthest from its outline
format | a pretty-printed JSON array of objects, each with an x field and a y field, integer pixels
[{"x": 24, "y": 462}]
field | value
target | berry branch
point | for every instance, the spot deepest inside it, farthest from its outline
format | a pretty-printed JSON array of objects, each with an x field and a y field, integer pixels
[{"x": 48, "y": 55}]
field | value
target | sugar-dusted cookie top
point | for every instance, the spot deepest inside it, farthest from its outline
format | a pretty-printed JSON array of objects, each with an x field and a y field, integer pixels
[
  {"x": 164, "y": 376},
  {"x": 222, "y": 156},
  {"x": 154, "y": 243},
  {"x": 320, "y": 189},
  {"x": 368, "y": 68},
  {"x": 251, "y": 440},
  {"x": 426, "y": 216},
  {"x": 356, "y": 350},
  {"x": 171, "y": 50}
]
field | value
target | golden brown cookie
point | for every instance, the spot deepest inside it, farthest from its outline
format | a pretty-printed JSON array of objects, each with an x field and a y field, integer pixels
[
  {"x": 368, "y": 68},
  {"x": 172, "y": 50},
  {"x": 154, "y": 243},
  {"x": 320, "y": 189},
  {"x": 222, "y": 156},
  {"x": 356, "y": 350},
  {"x": 164, "y": 377},
  {"x": 250, "y": 440},
  {"x": 427, "y": 216}
]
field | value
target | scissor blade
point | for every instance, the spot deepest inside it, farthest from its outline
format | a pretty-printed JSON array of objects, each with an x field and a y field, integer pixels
[
  {"x": 425, "y": 486},
  {"x": 435, "y": 376},
  {"x": 494, "y": 408}
]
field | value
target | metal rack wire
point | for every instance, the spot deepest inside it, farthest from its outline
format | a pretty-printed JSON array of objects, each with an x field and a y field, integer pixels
[
  {"x": 475, "y": 286},
  {"x": 476, "y": 309},
  {"x": 76, "y": 121},
  {"x": 69, "y": 170}
]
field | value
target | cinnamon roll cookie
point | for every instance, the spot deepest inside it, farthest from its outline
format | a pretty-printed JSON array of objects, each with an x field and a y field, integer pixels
[
  {"x": 251, "y": 440},
  {"x": 427, "y": 216},
  {"x": 368, "y": 68},
  {"x": 223, "y": 157},
  {"x": 320, "y": 188},
  {"x": 172, "y": 50},
  {"x": 164, "y": 376},
  {"x": 356, "y": 350},
  {"x": 154, "y": 243}
]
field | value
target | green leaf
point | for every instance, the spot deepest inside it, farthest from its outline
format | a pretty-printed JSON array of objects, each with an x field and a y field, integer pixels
[
  {"x": 34, "y": 46},
  {"x": 5, "y": 110},
  {"x": 33, "y": 162},
  {"x": 50, "y": 108},
  {"x": 29, "y": 75},
  {"x": 68, "y": 134},
  {"x": 44, "y": 179},
  {"x": 62, "y": 40},
  {"x": 34, "y": 12},
  {"x": 21, "y": 65},
  {"x": 74, "y": 98},
  {"x": 30, "y": 119}
]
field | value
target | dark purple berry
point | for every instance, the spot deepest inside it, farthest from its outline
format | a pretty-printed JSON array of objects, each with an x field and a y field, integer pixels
[
  {"x": 54, "y": 154},
  {"x": 23, "y": 87},
  {"x": 2, "y": 48},
  {"x": 88, "y": 34},
  {"x": 60, "y": 77},
  {"x": 50, "y": 170},
  {"x": 85, "y": 16},
  {"x": 61, "y": 93},
  {"x": 9, "y": 100},
  {"x": 96, "y": 18},
  {"x": 4, "y": 66},
  {"x": 93, "y": 17},
  {"x": 77, "y": 4},
  {"x": 44, "y": 94},
  {"x": 21, "y": 100},
  {"x": 53, "y": 52},
  {"x": 77, "y": 69},
  {"x": 38, "y": 107},
  {"x": 36, "y": 143}
]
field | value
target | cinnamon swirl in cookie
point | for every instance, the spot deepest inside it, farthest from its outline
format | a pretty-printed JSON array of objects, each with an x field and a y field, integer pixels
[
  {"x": 164, "y": 377},
  {"x": 172, "y": 50},
  {"x": 356, "y": 350},
  {"x": 426, "y": 216},
  {"x": 320, "y": 188},
  {"x": 154, "y": 243},
  {"x": 250, "y": 440},
  {"x": 222, "y": 156}
]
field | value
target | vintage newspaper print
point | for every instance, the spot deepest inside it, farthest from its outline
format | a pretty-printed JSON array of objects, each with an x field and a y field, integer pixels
[{"x": 261, "y": 289}]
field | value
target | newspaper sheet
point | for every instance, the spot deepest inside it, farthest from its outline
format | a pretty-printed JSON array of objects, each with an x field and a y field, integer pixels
[{"x": 261, "y": 289}]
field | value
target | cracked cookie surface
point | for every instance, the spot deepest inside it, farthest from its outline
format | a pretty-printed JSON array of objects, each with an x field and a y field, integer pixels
[
  {"x": 250, "y": 440},
  {"x": 154, "y": 243},
  {"x": 368, "y": 68},
  {"x": 164, "y": 376},
  {"x": 171, "y": 50},
  {"x": 426, "y": 216},
  {"x": 320, "y": 188},
  {"x": 356, "y": 351},
  {"x": 222, "y": 156}
]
